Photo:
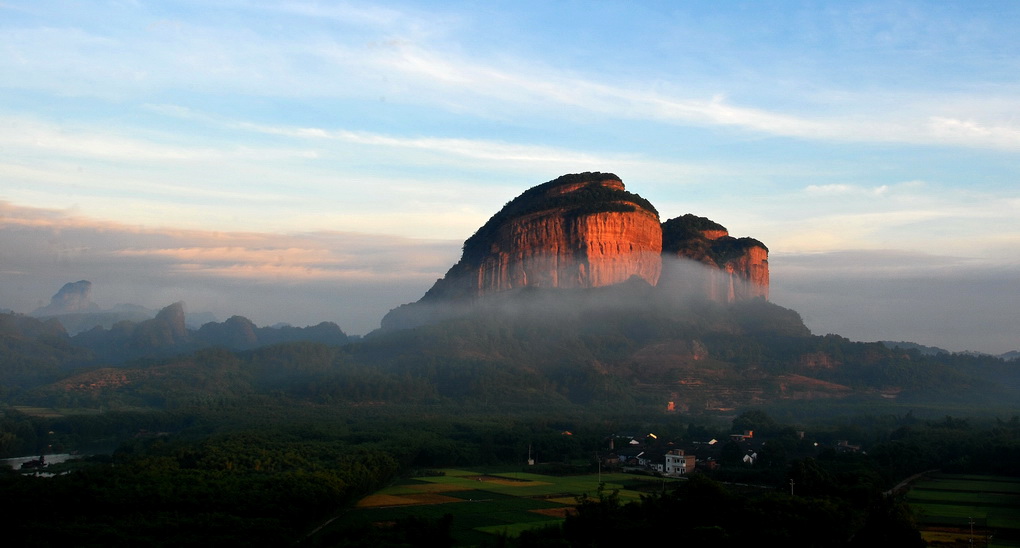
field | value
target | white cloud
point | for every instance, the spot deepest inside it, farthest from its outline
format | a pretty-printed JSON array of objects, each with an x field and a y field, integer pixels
[
  {"x": 915, "y": 214},
  {"x": 969, "y": 132},
  {"x": 414, "y": 58},
  {"x": 845, "y": 189},
  {"x": 25, "y": 136}
]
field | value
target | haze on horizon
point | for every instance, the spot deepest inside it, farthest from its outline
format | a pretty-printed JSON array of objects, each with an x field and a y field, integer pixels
[{"x": 323, "y": 161}]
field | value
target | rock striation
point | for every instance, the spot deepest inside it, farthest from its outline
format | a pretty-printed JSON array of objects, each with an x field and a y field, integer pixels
[
  {"x": 737, "y": 268},
  {"x": 577, "y": 231},
  {"x": 585, "y": 230}
]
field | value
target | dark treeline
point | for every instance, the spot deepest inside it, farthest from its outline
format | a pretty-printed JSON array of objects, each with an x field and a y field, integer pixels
[
  {"x": 268, "y": 474},
  {"x": 704, "y": 512},
  {"x": 261, "y": 444},
  {"x": 260, "y": 474},
  {"x": 243, "y": 488}
]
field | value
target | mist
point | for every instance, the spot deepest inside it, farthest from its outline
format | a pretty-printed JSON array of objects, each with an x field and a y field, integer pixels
[
  {"x": 687, "y": 291},
  {"x": 301, "y": 279},
  {"x": 949, "y": 302},
  {"x": 354, "y": 279}
]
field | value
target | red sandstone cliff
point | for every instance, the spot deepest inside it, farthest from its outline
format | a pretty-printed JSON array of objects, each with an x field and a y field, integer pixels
[
  {"x": 550, "y": 249},
  {"x": 737, "y": 268},
  {"x": 586, "y": 231},
  {"x": 578, "y": 231}
]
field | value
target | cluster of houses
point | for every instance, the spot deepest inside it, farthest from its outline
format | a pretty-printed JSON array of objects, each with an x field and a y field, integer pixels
[
  {"x": 671, "y": 462},
  {"x": 671, "y": 459},
  {"x": 647, "y": 454}
]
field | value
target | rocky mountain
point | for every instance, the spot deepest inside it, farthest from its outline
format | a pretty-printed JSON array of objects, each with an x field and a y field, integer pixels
[
  {"x": 73, "y": 307},
  {"x": 583, "y": 231},
  {"x": 577, "y": 231},
  {"x": 73, "y": 298},
  {"x": 168, "y": 334}
]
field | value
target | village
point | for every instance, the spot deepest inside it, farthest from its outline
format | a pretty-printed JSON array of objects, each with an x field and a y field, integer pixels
[{"x": 674, "y": 459}]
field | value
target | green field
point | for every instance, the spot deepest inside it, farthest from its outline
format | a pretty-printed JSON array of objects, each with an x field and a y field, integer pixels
[
  {"x": 992, "y": 503},
  {"x": 487, "y": 503}
]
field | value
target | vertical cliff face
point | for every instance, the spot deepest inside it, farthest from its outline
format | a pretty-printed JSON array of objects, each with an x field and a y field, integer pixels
[
  {"x": 737, "y": 268},
  {"x": 749, "y": 273},
  {"x": 578, "y": 231},
  {"x": 586, "y": 231},
  {"x": 552, "y": 249}
]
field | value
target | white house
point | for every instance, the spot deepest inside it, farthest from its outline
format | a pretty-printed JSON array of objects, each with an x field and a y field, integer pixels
[{"x": 677, "y": 463}]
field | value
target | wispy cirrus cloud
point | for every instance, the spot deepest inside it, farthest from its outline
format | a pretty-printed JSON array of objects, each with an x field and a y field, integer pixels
[
  {"x": 462, "y": 82},
  {"x": 20, "y": 134},
  {"x": 509, "y": 155},
  {"x": 971, "y": 132},
  {"x": 844, "y": 189},
  {"x": 395, "y": 57}
]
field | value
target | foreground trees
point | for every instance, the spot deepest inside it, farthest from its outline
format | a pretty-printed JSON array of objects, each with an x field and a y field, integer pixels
[
  {"x": 701, "y": 511},
  {"x": 269, "y": 474},
  {"x": 239, "y": 489}
]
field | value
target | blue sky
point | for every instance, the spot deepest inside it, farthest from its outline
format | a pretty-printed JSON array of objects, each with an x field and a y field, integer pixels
[{"x": 309, "y": 161}]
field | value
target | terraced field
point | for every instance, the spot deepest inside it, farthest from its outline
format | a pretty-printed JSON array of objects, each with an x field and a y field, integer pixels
[
  {"x": 947, "y": 507},
  {"x": 483, "y": 504}
]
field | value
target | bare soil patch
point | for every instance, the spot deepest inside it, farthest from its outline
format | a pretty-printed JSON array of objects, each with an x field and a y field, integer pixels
[
  {"x": 554, "y": 512},
  {"x": 499, "y": 480},
  {"x": 376, "y": 501},
  {"x": 437, "y": 487}
]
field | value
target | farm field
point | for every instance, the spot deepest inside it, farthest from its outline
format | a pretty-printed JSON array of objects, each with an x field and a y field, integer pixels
[
  {"x": 485, "y": 504},
  {"x": 945, "y": 505}
]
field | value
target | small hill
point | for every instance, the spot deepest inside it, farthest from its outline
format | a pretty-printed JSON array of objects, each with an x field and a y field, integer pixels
[
  {"x": 73, "y": 298},
  {"x": 168, "y": 334},
  {"x": 72, "y": 305}
]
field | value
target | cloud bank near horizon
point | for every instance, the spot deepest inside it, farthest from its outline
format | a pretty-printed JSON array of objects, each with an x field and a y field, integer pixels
[
  {"x": 302, "y": 279},
  {"x": 354, "y": 279}
]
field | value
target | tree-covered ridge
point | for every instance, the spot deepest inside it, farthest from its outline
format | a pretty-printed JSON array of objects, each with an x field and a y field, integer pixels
[
  {"x": 613, "y": 347},
  {"x": 167, "y": 335},
  {"x": 728, "y": 248},
  {"x": 686, "y": 227},
  {"x": 593, "y": 197},
  {"x": 261, "y": 473}
]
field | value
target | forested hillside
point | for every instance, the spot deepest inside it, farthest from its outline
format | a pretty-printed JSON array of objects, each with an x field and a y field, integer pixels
[
  {"x": 241, "y": 435},
  {"x": 616, "y": 347}
]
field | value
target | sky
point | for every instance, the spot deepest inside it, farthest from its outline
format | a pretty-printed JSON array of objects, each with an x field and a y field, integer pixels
[{"x": 301, "y": 161}]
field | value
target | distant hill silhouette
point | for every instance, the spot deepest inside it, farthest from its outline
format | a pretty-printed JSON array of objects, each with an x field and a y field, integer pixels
[
  {"x": 73, "y": 306},
  {"x": 616, "y": 347},
  {"x": 168, "y": 334}
]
